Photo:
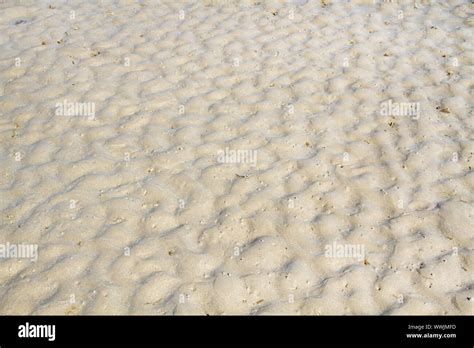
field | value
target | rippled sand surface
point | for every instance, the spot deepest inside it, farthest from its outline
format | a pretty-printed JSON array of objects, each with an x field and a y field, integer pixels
[{"x": 237, "y": 157}]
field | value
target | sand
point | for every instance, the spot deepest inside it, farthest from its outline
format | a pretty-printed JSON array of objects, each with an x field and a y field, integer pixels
[{"x": 236, "y": 157}]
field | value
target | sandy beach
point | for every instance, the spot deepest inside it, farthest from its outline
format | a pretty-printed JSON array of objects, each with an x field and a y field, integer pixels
[{"x": 236, "y": 157}]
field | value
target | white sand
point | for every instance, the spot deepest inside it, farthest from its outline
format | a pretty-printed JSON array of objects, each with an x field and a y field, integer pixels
[{"x": 136, "y": 205}]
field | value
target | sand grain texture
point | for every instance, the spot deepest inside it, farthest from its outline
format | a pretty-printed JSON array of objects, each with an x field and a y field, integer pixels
[{"x": 131, "y": 209}]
